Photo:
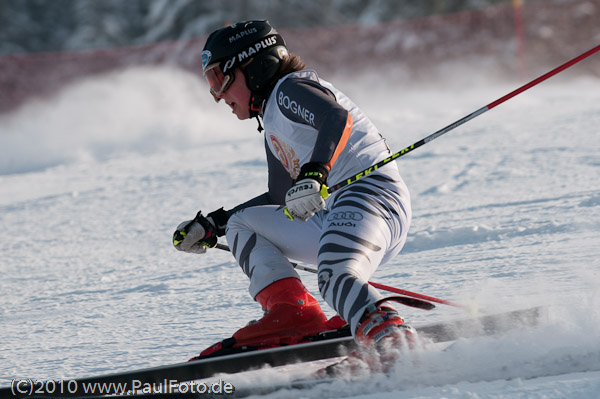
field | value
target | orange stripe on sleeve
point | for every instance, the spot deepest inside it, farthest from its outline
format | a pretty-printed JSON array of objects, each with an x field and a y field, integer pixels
[{"x": 342, "y": 143}]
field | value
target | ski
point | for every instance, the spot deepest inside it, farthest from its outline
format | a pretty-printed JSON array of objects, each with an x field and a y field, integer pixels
[{"x": 303, "y": 352}]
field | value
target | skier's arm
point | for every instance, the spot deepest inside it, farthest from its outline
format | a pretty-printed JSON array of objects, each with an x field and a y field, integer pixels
[{"x": 307, "y": 102}]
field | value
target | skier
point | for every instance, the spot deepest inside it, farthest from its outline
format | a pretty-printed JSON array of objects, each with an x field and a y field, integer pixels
[{"x": 313, "y": 135}]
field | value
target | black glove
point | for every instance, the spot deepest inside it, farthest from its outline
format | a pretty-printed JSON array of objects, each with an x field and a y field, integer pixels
[
  {"x": 315, "y": 171},
  {"x": 200, "y": 233}
]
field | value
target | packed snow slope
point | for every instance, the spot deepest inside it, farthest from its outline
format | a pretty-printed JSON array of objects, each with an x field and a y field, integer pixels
[{"x": 506, "y": 215}]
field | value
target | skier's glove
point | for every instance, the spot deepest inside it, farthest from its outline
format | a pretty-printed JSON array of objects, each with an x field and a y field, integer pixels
[
  {"x": 306, "y": 197},
  {"x": 196, "y": 235}
]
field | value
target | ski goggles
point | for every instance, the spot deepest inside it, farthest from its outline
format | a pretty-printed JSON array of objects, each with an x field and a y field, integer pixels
[{"x": 217, "y": 80}]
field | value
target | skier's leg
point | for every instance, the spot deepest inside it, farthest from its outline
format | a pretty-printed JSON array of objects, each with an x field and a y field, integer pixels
[
  {"x": 366, "y": 226},
  {"x": 262, "y": 239}
]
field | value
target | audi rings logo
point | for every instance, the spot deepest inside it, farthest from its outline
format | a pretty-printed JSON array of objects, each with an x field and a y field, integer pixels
[{"x": 348, "y": 215}]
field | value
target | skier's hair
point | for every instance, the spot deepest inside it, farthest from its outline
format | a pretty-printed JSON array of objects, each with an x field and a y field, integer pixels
[{"x": 290, "y": 63}]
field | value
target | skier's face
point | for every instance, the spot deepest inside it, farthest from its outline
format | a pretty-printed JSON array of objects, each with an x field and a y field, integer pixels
[{"x": 237, "y": 95}]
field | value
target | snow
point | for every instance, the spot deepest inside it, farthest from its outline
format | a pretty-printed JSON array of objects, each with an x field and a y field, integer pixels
[{"x": 506, "y": 216}]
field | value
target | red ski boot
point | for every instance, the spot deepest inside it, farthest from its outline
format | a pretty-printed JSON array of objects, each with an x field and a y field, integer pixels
[
  {"x": 291, "y": 314},
  {"x": 382, "y": 325},
  {"x": 381, "y": 332}
]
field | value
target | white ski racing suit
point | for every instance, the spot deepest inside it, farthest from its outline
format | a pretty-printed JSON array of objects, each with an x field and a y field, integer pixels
[{"x": 365, "y": 224}]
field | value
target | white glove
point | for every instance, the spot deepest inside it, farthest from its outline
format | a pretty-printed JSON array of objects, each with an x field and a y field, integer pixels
[
  {"x": 304, "y": 199},
  {"x": 196, "y": 235},
  {"x": 189, "y": 237}
]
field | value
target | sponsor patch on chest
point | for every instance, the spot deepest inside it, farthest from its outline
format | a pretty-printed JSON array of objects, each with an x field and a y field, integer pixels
[{"x": 286, "y": 155}]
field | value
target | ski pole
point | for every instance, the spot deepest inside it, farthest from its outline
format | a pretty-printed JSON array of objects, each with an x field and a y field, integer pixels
[
  {"x": 377, "y": 285},
  {"x": 326, "y": 191}
]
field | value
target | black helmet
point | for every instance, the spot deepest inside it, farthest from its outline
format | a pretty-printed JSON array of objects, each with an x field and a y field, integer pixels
[{"x": 255, "y": 45}]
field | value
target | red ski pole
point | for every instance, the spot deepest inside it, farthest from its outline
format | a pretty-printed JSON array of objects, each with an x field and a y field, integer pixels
[
  {"x": 328, "y": 190},
  {"x": 379, "y": 286},
  {"x": 419, "y": 296}
]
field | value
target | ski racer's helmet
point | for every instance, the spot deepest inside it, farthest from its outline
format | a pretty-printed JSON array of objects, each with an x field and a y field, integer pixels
[{"x": 254, "y": 46}]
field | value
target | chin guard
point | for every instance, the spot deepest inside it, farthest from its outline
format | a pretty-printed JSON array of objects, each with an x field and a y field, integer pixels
[{"x": 255, "y": 108}]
